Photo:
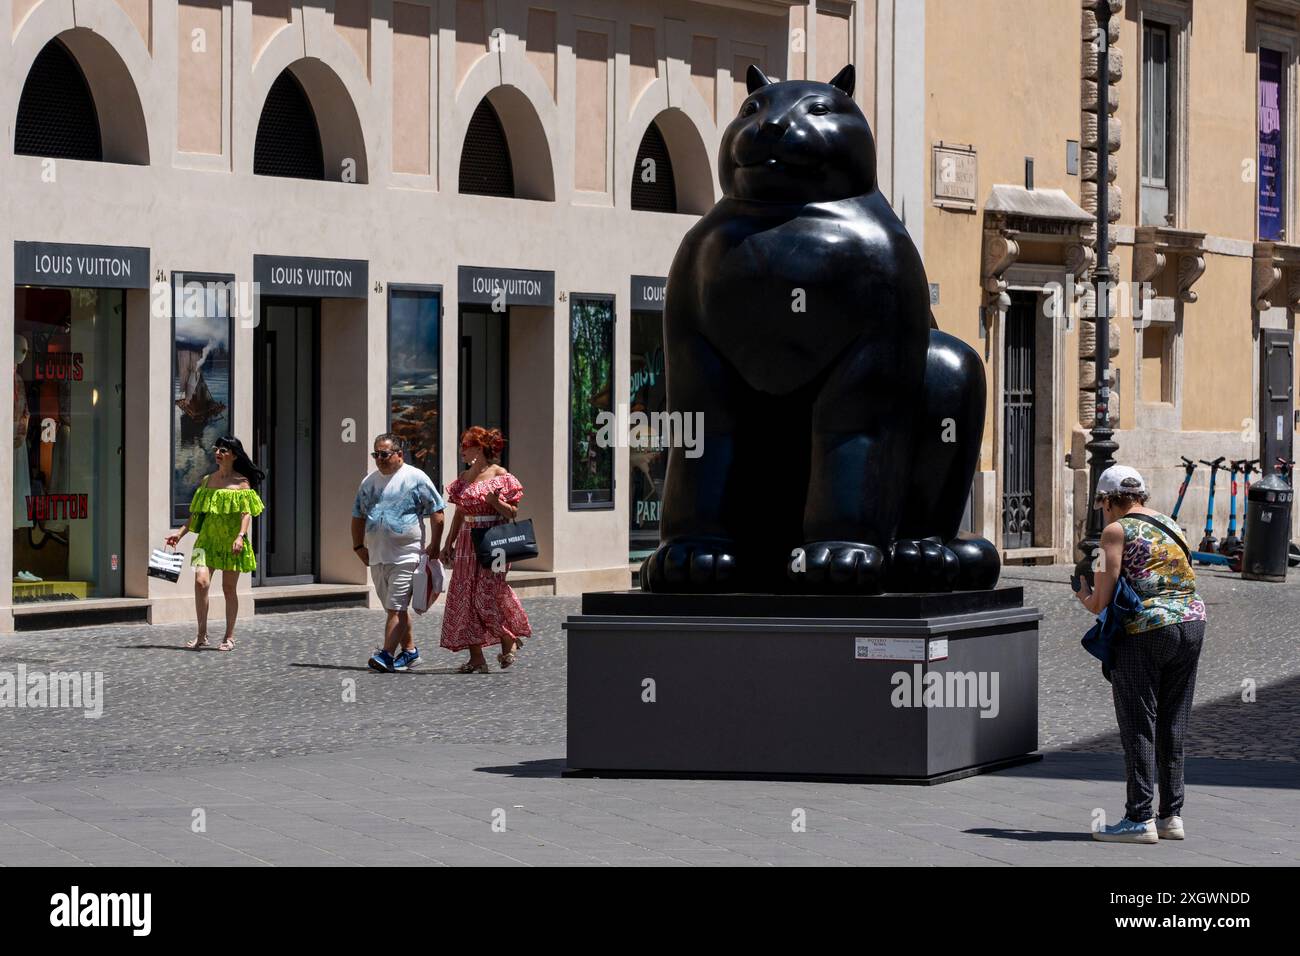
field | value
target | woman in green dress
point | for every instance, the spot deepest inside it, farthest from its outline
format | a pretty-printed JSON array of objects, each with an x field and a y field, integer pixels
[{"x": 221, "y": 514}]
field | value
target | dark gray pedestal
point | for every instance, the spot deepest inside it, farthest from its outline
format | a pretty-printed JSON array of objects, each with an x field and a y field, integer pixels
[{"x": 802, "y": 686}]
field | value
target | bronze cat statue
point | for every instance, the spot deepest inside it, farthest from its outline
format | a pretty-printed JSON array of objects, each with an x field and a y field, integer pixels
[{"x": 840, "y": 431}]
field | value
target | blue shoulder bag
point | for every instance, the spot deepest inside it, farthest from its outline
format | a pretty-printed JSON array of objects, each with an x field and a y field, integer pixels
[{"x": 1099, "y": 641}]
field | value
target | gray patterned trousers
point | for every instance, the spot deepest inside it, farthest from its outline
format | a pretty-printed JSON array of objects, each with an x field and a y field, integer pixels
[{"x": 1153, "y": 676}]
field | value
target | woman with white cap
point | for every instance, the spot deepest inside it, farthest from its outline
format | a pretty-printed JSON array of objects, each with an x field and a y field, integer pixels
[{"x": 1153, "y": 672}]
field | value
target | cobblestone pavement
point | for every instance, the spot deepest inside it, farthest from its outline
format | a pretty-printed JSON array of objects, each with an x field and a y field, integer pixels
[{"x": 288, "y": 771}]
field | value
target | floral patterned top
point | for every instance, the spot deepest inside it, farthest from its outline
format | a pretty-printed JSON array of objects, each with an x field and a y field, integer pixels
[{"x": 1160, "y": 573}]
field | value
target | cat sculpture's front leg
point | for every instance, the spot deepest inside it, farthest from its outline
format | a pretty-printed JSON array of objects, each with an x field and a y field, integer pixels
[
  {"x": 862, "y": 438},
  {"x": 698, "y": 553}
]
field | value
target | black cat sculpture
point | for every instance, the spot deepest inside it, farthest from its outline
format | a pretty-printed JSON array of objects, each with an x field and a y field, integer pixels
[{"x": 839, "y": 431}]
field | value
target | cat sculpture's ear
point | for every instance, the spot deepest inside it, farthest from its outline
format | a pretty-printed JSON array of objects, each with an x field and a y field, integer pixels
[
  {"x": 844, "y": 80},
  {"x": 755, "y": 79}
]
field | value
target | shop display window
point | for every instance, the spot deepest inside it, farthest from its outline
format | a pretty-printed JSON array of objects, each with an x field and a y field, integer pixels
[
  {"x": 68, "y": 444},
  {"x": 591, "y": 402},
  {"x": 202, "y": 412},
  {"x": 414, "y": 328},
  {"x": 647, "y": 454}
]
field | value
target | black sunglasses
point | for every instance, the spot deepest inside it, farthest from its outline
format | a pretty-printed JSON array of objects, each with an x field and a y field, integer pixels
[{"x": 382, "y": 455}]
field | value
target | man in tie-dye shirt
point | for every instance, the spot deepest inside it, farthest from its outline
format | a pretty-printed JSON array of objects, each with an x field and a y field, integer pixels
[{"x": 388, "y": 534}]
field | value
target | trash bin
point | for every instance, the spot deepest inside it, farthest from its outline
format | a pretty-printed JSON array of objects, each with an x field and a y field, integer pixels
[{"x": 1268, "y": 529}]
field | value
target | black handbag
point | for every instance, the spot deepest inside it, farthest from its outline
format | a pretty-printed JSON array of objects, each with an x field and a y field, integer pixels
[{"x": 513, "y": 541}]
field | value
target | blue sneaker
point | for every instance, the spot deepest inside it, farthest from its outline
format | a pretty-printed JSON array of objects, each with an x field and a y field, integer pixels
[
  {"x": 382, "y": 661},
  {"x": 407, "y": 659},
  {"x": 1128, "y": 831}
]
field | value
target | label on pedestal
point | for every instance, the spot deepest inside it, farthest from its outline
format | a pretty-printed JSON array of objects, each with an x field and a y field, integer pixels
[{"x": 900, "y": 649}]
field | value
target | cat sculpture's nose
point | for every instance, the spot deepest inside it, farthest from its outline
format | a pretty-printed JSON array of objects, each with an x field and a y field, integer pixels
[{"x": 772, "y": 131}]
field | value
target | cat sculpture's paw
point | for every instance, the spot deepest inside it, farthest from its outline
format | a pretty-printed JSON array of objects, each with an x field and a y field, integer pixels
[
  {"x": 922, "y": 564},
  {"x": 691, "y": 564},
  {"x": 839, "y": 566}
]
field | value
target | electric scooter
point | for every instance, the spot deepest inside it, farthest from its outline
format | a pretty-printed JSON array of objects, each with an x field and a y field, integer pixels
[
  {"x": 1190, "y": 467},
  {"x": 1208, "y": 542},
  {"x": 1231, "y": 544}
]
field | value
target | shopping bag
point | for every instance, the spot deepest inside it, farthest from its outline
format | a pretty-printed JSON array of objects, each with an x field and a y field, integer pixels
[
  {"x": 166, "y": 564},
  {"x": 426, "y": 584},
  {"x": 512, "y": 541}
]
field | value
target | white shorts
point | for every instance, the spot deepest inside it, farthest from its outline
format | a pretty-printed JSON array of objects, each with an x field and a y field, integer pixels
[{"x": 393, "y": 584}]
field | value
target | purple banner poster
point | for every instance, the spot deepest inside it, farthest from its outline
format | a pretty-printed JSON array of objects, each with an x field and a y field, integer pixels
[{"x": 1271, "y": 177}]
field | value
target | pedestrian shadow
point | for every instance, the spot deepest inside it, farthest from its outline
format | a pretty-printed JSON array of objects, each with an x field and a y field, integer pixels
[
  {"x": 528, "y": 768},
  {"x": 1030, "y": 836},
  {"x": 421, "y": 672},
  {"x": 164, "y": 647}
]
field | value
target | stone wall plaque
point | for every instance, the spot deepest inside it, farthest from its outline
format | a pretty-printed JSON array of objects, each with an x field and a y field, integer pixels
[{"x": 956, "y": 176}]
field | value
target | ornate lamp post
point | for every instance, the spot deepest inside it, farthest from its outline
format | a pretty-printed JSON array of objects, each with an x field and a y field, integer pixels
[{"x": 1101, "y": 446}]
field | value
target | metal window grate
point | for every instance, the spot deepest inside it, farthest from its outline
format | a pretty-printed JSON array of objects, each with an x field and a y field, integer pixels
[
  {"x": 56, "y": 114},
  {"x": 660, "y": 193},
  {"x": 485, "y": 168},
  {"x": 288, "y": 139}
]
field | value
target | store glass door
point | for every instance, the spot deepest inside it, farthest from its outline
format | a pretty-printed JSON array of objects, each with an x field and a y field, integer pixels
[
  {"x": 484, "y": 372},
  {"x": 285, "y": 404}
]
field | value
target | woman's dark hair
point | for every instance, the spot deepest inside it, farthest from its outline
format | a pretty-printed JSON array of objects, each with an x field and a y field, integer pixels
[{"x": 243, "y": 464}]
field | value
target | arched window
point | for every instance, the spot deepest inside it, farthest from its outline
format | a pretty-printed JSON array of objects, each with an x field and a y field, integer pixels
[
  {"x": 485, "y": 168},
  {"x": 288, "y": 138},
  {"x": 653, "y": 187},
  {"x": 56, "y": 114}
]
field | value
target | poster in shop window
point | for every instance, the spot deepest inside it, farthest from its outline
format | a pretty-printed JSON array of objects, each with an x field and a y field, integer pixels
[
  {"x": 591, "y": 402},
  {"x": 1271, "y": 153},
  {"x": 201, "y": 402}
]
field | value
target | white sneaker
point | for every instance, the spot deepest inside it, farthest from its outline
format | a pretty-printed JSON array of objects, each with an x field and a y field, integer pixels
[
  {"x": 27, "y": 577},
  {"x": 1170, "y": 828},
  {"x": 1128, "y": 831}
]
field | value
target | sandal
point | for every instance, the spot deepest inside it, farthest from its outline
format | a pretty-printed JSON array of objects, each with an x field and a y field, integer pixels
[
  {"x": 198, "y": 642},
  {"x": 506, "y": 658},
  {"x": 469, "y": 667},
  {"x": 227, "y": 645}
]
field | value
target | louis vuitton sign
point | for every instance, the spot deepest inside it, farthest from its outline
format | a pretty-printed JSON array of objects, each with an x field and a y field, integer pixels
[{"x": 70, "y": 264}]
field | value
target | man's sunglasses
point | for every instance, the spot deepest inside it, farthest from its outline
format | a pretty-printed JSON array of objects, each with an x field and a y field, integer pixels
[{"x": 382, "y": 455}]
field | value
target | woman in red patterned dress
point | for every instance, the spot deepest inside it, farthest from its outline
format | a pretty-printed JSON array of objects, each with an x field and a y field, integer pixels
[{"x": 481, "y": 608}]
